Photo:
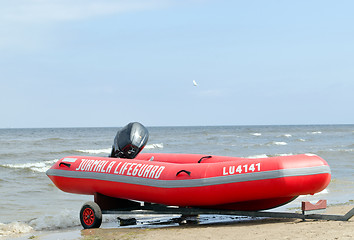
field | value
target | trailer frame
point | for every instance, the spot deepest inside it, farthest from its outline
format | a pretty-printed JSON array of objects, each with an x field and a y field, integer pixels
[{"x": 163, "y": 209}]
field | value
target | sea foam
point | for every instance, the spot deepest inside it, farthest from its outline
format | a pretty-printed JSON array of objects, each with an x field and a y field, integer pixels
[
  {"x": 14, "y": 228},
  {"x": 258, "y": 156},
  {"x": 64, "y": 219},
  {"x": 283, "y": 154},
  {"x": 256, "y": 134},
  {"x": 324, "y": 191},
  {"x": 154, "y": 146},
  {"x": 277, "y": 143},
  {"x": 42, "y": 166},
  {"x": 107, "y": 151},
  {"x": 315, "y": 132},
  {"x": 96, "y": 151}
]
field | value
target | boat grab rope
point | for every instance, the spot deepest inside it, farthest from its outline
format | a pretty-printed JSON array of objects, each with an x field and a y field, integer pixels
[
  {"x": 65, "y": 164},
  {"x": 188, "y": 172},
  {"x": 203, "y": 158}
]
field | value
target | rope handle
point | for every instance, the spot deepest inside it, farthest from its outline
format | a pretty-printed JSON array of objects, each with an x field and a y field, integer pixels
[
  {"x": 203, "y": 158},
  {"x": 65, "y": 164},
  {"x": 188, "y": 172}
]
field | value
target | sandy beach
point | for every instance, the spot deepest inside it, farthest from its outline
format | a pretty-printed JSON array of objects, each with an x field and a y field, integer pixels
[
  {"x": 270, "y": 228},
  {"x": 258, "y": 229}
]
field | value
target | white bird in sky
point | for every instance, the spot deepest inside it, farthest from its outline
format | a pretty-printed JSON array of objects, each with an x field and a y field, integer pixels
[{"x": 195, "y": 83}]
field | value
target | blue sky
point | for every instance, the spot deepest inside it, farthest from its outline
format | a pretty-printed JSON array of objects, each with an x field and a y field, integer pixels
[{"x": 86, "y": 63}]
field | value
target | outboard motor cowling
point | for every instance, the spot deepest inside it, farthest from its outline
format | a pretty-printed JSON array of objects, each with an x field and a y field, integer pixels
[{"x": 129, "y": 141}]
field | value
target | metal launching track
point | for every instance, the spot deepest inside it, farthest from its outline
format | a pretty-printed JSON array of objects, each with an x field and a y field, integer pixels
[{"x": 162, "y": 209}]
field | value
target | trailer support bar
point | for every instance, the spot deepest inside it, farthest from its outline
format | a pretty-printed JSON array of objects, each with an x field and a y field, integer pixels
[{"x": 161, "y": 209}]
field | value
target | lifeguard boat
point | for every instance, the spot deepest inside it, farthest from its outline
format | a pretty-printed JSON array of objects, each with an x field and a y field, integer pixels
[{"x": 185, "y": 180}]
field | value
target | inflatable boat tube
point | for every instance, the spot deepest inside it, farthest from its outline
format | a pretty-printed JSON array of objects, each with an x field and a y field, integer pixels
[{"x": 195, "y": 180}]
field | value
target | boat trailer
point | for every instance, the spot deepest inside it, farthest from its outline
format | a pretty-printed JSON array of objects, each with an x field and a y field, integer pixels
[{"x": 91, "y": 212}]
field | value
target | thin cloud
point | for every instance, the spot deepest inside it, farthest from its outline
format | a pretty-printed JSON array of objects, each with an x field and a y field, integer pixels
[
  {"x": 23, "y": 22},
  {"x": 68, "y": 10}
]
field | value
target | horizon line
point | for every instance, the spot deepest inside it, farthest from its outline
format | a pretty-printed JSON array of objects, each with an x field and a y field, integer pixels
[{"x": 226, "y": 125}]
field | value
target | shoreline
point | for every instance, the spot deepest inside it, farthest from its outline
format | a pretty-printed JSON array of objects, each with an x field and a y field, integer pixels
[{"x": 269, "y": 228}]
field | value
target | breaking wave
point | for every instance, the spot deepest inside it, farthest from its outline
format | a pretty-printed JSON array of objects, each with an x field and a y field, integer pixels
[
  {"x": 258, "y": 156},
  {"x": 324, "y": 191},
  {"x": 107, "y": 151},
  {"x": 256, "y": 134},
  {"x": 315, "y": 132},
  {"x": 283, "y": 154},
  {"x": 64, "y": 219},
  {"x": 268, "y": 155},
  {"x": 154, "y": 146},
  {"x": 14, "y": 228},
  {"x": 42, "y": 166},
  {"x": 278, "y": 143},
  {"x": 96, "y": 151}
]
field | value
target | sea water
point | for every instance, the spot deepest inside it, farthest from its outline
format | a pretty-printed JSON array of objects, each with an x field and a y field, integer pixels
[{"x": 29, "y": 200}]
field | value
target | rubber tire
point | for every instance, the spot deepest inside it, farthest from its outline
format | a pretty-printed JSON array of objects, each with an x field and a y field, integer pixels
[{"x": 90, "y": 215}]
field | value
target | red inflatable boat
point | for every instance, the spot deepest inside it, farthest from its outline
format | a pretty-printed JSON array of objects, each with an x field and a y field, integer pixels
[
  {"x": 195, "y": 180},
  {"x": 184, "y": 180}
]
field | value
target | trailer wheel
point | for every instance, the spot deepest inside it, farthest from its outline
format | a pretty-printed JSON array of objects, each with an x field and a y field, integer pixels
[{"x": 90, "y": 215}]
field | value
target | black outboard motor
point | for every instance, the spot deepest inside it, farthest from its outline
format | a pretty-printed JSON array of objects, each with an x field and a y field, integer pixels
[{"x": 129, "y": 141}]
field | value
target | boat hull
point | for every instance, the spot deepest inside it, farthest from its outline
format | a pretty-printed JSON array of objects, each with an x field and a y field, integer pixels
[{"x": 179, "y": 180}]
